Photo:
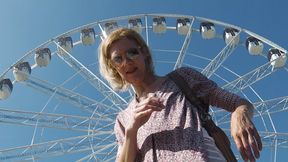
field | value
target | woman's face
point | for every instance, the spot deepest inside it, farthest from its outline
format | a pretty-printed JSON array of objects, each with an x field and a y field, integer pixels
[{"x": 129, "y": 60}]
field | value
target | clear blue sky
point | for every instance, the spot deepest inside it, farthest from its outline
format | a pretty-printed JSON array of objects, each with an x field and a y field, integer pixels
[{"x": 27, "y": 24}]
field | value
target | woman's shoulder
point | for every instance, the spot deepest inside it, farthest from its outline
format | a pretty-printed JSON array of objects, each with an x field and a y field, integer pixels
[{"x": 190, "y": 73}]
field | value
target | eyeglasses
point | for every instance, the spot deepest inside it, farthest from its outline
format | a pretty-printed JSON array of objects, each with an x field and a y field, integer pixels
[{"x": 131, "y": 54}]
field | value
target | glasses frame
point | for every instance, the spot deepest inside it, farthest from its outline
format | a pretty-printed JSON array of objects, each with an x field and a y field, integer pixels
[{"x": 130, "y": 54}]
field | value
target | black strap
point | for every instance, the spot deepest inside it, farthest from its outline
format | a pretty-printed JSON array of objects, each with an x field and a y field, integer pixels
[
  {"x": 202, "y": 108},
  {"x": 206, "y": 121}
]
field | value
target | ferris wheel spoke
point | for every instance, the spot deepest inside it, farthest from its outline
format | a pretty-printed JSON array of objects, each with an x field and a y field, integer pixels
[
  {"x": 271, "y": 106},
  {"x": 250, "y": 78},
  {"x": 269, "y": 139},
  {"x": 220, "y": 58},
  {"x": 97, "y": 152},
  {"x": 92, "y": 78},
  {"x": 184, "y": 48},
  {"x": 69, "y": 96},
  {"x": 274, "y": 139},
  {"x": 262, "y": 108},
  {"x": 55, "y": 148},
  {"x": 48, "y": 120}
]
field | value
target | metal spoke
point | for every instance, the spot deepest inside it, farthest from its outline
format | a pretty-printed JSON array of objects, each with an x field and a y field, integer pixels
[
  {"x": 220, "y": 58},
  {"x": 262, "y": 108},
  {"x": 184, "y": 48},
  {"x": 92, "y": 78},
  {"x": 69, "y": 96},
  {"x": 250, "y": 78},
  {"x": 59, "y": 121},
  {"x": 57, "y": 147}
]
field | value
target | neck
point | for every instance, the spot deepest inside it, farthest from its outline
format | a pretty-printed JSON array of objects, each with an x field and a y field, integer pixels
[{"x": 147, "y": 86}]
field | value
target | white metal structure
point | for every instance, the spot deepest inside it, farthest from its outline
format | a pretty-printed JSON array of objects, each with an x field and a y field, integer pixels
[{"x": 71, "y": 109}]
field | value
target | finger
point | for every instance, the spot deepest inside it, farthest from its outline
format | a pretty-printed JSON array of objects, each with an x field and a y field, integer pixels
[
  {"x": 154, "y": 103},
  {"x": 147, "y": 107},
  {"x": 143, "y": 114},
  {"x": 247, "y": 148},
  {"x": 258, "y": 139},
  {"x": 240, "y": 147},
  {"x": 253, "y": 145}
]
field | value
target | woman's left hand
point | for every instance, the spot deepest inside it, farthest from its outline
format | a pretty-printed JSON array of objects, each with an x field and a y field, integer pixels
[{"x": 245, "y": 133}]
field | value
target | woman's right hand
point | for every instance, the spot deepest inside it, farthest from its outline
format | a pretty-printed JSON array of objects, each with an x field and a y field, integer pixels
[{"x": 143, "y": 111}]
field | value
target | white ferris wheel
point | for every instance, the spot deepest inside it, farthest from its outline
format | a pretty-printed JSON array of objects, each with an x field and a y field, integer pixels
[{"x": 56, "y": 94}]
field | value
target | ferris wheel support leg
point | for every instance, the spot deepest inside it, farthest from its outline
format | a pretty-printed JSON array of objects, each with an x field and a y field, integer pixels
[{"x": 95, "y": 81}]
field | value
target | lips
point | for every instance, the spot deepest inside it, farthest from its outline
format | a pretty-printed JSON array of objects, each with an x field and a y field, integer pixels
[{"x": 130, "y": 71}]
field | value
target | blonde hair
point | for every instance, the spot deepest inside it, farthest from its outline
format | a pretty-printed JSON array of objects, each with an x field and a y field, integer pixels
[{"x": 105, "y": 67}]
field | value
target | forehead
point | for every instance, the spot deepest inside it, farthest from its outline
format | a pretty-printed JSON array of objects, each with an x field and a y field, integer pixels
[{"x": 122, "y": 45}]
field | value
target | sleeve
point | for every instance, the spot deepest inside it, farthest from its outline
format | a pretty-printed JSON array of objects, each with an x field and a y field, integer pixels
[{"x": 208, "y": 91}]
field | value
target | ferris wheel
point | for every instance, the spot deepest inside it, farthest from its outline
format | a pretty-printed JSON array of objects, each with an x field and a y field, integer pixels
[{"x": 56, "y": 95}]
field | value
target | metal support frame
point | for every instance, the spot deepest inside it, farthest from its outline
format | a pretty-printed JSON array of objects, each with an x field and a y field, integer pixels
[
  {"x": 57, "y": 147},
  {"x": 220, "y": 58},
  {"x": 59, "y": 121},
  {"x": 63, "y": 94},
  {"x": 92, "y": 78},
  {"x": 184, "y": 48}
]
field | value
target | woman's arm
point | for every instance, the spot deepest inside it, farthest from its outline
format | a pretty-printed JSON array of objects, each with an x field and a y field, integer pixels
[
  {"x": 129, "y": 149},
  {"x": 140, "y": 115}
]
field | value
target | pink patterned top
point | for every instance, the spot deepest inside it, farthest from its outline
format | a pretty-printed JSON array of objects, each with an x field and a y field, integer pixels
[{"x": 174, "y": 134}]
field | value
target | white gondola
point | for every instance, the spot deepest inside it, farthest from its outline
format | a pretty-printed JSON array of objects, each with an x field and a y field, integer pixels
[
  {"x": 87, "y": 36},
  {"x": 42, "y": 57},
  {"x": 231, "y": 35},
  {"x": 159, "y": 25},
  {"x": 207, "y": 30},
  {"x": 135, "y": 24},
  {"x": 254, "y": 46},
  {"x": 22, "y": 71},
  {"x": 109, "y": 27},
  {"x": 183, "y": 26},
  {"x": 6, "y": 88},
  {"x": 66, "y": 43},
  {"x": 277, "y": 58}
]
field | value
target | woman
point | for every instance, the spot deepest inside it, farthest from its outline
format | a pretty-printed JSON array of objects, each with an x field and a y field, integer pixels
[{"x": 159, "y": 124}]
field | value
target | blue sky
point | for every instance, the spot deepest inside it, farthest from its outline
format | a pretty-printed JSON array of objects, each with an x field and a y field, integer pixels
[{"x": 27, "y": 24}]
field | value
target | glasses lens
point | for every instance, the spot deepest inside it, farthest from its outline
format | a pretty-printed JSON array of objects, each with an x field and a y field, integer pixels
[{"x": 131, "y": 54}]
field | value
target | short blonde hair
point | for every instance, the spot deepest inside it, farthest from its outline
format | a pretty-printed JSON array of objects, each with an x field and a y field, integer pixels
[{"x": 105, "y": 67}]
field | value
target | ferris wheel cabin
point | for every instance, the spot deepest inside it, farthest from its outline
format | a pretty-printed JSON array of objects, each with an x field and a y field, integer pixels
[
  {"x": 231, "y": 35},
  {"x": 277, "y": 58},
  {"x": 6, "y": 88},
  {"x": 183, "y": 25},
  {"x": 22, "y": 71},
  {"x": 109, "y": 27},
  {"x": 135, "y": 24},
  {"x": 87, "y": 36},
  {"x": 254, "y": 46},
  {"x": 66, "y": 45},
  {"x": 159, "y": 25},
  {"x": 42, "y": 57},
  {"x": 207, "y": 30}
]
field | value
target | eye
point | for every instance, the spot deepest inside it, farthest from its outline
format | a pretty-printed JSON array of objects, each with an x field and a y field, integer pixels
[
  {"x": 117, "y": 59},
  {"x": 132, "y": 53}
]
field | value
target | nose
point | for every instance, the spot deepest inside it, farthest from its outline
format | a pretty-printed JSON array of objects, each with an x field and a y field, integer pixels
[{"x": 126, "y": 60}]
